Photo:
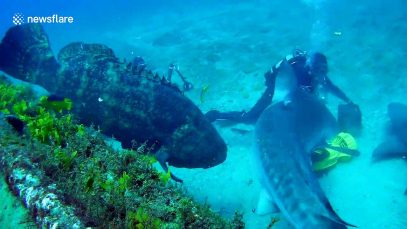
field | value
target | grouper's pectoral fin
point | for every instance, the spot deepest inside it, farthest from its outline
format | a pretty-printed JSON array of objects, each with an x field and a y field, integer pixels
[
  {"x": 162, "y": 157},
  {"x": 265, "y": 205}
]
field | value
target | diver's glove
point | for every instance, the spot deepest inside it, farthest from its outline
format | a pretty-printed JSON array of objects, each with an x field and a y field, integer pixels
[{"x": 270, "y": 77}]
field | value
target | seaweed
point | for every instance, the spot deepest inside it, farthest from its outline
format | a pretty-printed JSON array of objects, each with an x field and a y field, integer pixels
[{"x": 106, "y": 187}]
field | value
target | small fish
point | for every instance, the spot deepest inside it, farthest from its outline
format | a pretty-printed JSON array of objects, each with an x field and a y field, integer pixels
[
  {"x": 16, "y": 123},
  {"x": 204, "y": 90},
  {"x": 240, "y": 131},
  {"x": 273, "y": 221},
  {"x": 55, "y": 98},
  {"x": 56, "y": 103}
]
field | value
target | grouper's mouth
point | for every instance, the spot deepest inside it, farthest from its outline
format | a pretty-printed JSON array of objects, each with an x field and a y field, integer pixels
[{"x": 200, "y": 155}]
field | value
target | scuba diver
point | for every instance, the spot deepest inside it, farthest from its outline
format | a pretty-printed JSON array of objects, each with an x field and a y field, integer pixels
[
  {"x": 311, "y": 75},
  {"x": 175, "y": 68}
]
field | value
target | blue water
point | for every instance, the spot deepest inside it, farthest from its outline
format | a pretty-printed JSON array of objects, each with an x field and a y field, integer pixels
[{"x": 228, "y": 45}]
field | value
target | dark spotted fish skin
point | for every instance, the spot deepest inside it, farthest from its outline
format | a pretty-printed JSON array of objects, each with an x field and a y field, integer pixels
[{"x": 128, "y": 105}]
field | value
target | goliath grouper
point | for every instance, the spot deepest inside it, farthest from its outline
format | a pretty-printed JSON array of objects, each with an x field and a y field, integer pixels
[{"x": 125, "y": 104}]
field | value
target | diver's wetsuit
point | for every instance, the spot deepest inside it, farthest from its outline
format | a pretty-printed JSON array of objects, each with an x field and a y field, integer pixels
[{"x": 304, "y": 80}]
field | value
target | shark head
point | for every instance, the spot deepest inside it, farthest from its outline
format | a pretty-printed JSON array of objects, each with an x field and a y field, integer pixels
[
  {"x": 398, "y": 117},
  {"x": 395, "y": 143}
]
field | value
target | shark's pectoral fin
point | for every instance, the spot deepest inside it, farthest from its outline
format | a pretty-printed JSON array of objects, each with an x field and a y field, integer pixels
[
  {"x": 162, "y": 157},
  {"x": 265, "y": 205}
]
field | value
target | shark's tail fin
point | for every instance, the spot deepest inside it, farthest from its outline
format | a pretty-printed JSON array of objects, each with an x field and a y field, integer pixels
[{"x": 25, "y": 54}]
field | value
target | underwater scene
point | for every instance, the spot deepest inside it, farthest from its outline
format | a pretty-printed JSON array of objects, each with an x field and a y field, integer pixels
[{"x": 203, "y": 114}]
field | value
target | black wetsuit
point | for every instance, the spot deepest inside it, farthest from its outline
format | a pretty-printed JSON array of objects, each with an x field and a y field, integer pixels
[{"x": 304, "y": 80}]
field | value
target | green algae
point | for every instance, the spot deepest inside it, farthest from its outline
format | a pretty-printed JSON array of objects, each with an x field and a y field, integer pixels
[{"x": 107, "y": 187}]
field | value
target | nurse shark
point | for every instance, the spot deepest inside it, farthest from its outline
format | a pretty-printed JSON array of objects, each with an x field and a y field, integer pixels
[
  {"x": 395, "y": 144},
  {"x": 285, "y": 136}
]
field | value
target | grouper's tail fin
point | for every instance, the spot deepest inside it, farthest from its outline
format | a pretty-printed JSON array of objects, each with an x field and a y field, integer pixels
[{"x": 25, "y": 54}]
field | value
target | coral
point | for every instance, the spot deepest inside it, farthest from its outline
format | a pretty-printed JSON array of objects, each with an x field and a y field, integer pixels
[{"x": 43, "y": 118}]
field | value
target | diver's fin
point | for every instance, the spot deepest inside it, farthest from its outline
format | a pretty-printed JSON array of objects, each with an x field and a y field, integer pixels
[
  {"x": 265, "y": 205},
  {"x": 352, "y": 152},
  {"x": 162, "y": 157},
  {"x": 343, "y": 143}
]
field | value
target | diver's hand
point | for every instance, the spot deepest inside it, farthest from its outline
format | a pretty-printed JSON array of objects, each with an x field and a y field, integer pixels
[{"x": 270, "y": 77}]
